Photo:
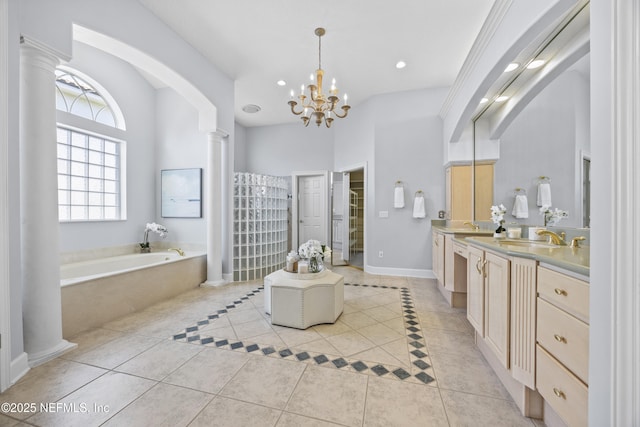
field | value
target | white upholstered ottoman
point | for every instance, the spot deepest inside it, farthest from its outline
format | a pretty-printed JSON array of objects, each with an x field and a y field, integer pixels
[{"x": 303, "y": 300}]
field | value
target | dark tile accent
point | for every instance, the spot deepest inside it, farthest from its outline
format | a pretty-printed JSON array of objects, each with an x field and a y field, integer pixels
[
  {"x": 421, "y": 364},
  {"x": 207, "y": 340},
  {"x": 193, "y": 338},
  {"x": 222, "y": 311},
  {"x": 419, "y": 354},
  {"x": 339, "y": 363},
  {"x": 359, "y": 366},
  {"x": 192, "y": 328},
  {"x": 180, "y": 336},
  {"x": 252, "y": 347},
  {"x": 203, "y": 322},
  {"x": 285, "y": 353},
  {"x": 321, "y": 359},
  {"x": 415, "y": 336},
  {"x": 416, "y": 344},
  {"x": 410, "y": 317},
  {"x": 401, "y": 373},
  {"x": 236, "y": 345},
  {"x": 380, "y": 370},
  {"x": 212, "y": 316},
  {"x": 413, "y": 329},
  {"x": 267, "y": 351},
  {"x": 412, "y": 322},
  {"x": 237, "y": 302},
  {"x": 409, "y": 311},
  {"x": 302, "y": 356},
  {"x": 424, "y": 377},
  {"x": 221, "y": 343},
  {"x": 231, "y": 306}
]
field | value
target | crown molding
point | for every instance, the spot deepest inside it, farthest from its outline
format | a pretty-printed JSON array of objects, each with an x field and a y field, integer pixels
[{"x": 491, "y": 24}]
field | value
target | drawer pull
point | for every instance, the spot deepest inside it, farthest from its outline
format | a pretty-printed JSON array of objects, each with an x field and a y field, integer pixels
[
  {"x": 559, "y": 393},
  {"x": 478, "y": 266},
  {"x": 436, "y": 242},
  {"x": 559, "y": 291},
  {"x": 560, "y": 338}
]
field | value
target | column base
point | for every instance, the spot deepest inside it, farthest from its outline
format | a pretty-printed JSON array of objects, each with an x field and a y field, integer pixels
[
  {"x": 220, "y": 282},
  {"x": 41, "y": 357}
]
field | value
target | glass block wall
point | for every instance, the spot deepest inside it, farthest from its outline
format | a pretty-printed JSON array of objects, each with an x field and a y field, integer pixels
[{"x": 259, "y": 224}]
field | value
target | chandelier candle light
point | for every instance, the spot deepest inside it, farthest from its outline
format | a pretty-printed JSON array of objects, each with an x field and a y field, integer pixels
[{"x": 317, "y": 104}]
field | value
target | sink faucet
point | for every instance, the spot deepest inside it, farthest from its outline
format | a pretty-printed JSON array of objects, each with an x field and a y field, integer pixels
[
  {"x": 180, "y": 251},
  {"x": 476, "y": 227},
  {"x": 556, "y": 239},
  {"x": 575, "y": 242}
]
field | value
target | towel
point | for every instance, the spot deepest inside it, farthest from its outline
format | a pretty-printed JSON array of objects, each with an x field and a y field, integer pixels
[
  {"x": 398, "y": 197},
  {"x": 544, "y": 194},
  {"x": 520, "y": 207},
  {"x": 418, "y": 207}
]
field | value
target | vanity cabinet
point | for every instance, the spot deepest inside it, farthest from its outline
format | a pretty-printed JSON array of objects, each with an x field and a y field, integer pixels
[
  {"x": 497, "y": 304},
  {"x": 501, "y": 306},
  {"x": 438, "y": 256},
  {"x": 562, "y": 356},
  {"x": 475, "y": 289},
  {"x": 450, "y": 267}
]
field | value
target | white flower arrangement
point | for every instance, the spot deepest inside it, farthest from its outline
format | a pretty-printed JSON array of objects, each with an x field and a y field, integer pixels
[
  {"x": 313, "y": 251},
  {"x": 156, "y": 228},
  {"x": 497, "y": 214},
  {"x": 552, "y": 217},
  {"x": 310, "y": 249}
]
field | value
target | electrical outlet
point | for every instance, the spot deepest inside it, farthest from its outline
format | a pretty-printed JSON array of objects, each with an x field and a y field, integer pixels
[{"x": 380, "y": 254}]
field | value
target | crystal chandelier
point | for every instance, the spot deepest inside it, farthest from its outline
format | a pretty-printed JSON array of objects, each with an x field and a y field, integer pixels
[{"x": 318, "y": 105}]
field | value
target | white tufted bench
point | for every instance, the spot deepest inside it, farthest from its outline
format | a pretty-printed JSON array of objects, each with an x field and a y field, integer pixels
[{"x": 303, "y": 300}]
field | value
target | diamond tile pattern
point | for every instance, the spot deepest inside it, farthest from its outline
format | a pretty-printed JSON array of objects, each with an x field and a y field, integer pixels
[{"x": 358, "y": 297}]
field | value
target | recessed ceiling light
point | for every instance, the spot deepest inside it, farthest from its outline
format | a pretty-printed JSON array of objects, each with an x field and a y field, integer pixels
[
  {"x": 502, "y": 98},
  {"x": 537, "y": 63},
  {"x": 511, "y": 67},
  {"x": 282, "y": 83},
  {"x": 251, "y": 108},
  {"x": 400, "y": 65},
  {"x": 484, "y": 101}
]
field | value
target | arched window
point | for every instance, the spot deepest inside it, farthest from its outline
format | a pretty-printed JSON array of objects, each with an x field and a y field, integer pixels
[{"x": 91, "y": 151}]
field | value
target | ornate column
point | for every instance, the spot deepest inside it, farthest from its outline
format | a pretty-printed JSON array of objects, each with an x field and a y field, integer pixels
[
  {"x": 214, "y": 209},
  {"x": 41, "y": 311}
]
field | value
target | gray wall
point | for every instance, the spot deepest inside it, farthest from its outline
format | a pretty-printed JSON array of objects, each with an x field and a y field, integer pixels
[
  {"x": 281, "y": 149},
  {"x": 180, "y": 145},
  {"x": 240, "y": 149},
  {"x": 408, "y": 135},
  {"x": 546, "y": 139}
]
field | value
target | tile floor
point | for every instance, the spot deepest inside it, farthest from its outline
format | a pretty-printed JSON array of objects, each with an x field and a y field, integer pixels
[{"x": 398, "y": 356}]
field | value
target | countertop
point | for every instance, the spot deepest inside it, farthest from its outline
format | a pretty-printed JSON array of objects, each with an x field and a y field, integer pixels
[
  {"x": 572, "y": 259},
  {"x": 461, "y": 230}
]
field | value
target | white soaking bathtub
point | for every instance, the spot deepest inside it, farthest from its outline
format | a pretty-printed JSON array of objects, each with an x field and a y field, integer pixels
[{"x": 98, "y": 291}]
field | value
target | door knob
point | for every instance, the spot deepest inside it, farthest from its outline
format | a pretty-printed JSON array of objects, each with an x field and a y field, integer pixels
[{"x": 301, "y": 221}]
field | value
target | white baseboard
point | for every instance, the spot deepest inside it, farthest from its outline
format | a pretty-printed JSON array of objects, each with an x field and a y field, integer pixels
[
  {"x": 405, "y": 272},
  {"x": 19, "y": 367}
]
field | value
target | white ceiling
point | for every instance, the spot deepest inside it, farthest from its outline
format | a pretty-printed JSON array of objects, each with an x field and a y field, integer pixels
[{"x": 258, "y": 42}]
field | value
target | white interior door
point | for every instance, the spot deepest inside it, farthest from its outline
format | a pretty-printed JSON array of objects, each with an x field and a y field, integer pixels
[
  {"x": 346, "y": 186},
  {"x": 313, "y": 211}
]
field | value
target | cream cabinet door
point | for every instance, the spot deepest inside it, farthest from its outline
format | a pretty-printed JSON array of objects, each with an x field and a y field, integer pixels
[
  {"x": 438, "y": 257},
  {"x": 475, "y": 289},
  {"x": 497, "y": 304}
]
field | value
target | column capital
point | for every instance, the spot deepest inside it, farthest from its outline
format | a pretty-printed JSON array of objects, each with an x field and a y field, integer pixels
[
  {"x": 218, "y": 135},
  {"x": 26, "y": 41},
  {"x": 38, "y": 55}
]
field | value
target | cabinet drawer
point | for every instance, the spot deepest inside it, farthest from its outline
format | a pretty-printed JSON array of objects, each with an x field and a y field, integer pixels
[
  {"x": 565, "y": 292},
  {"x": 566, "y": 394},
  {"x": 460, "y": 249},
  {"x": 565, "y": 337}
]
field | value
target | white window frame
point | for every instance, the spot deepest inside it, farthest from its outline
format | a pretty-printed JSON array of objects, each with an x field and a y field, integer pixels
[{"x": 90, "y": 127}]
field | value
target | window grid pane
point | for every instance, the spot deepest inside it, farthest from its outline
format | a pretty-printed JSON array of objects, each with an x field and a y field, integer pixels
[{"x": 88, "y": 178}]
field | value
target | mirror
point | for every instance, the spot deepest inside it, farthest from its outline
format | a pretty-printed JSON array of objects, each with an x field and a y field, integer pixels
[{"x": 544, "y": 147}]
